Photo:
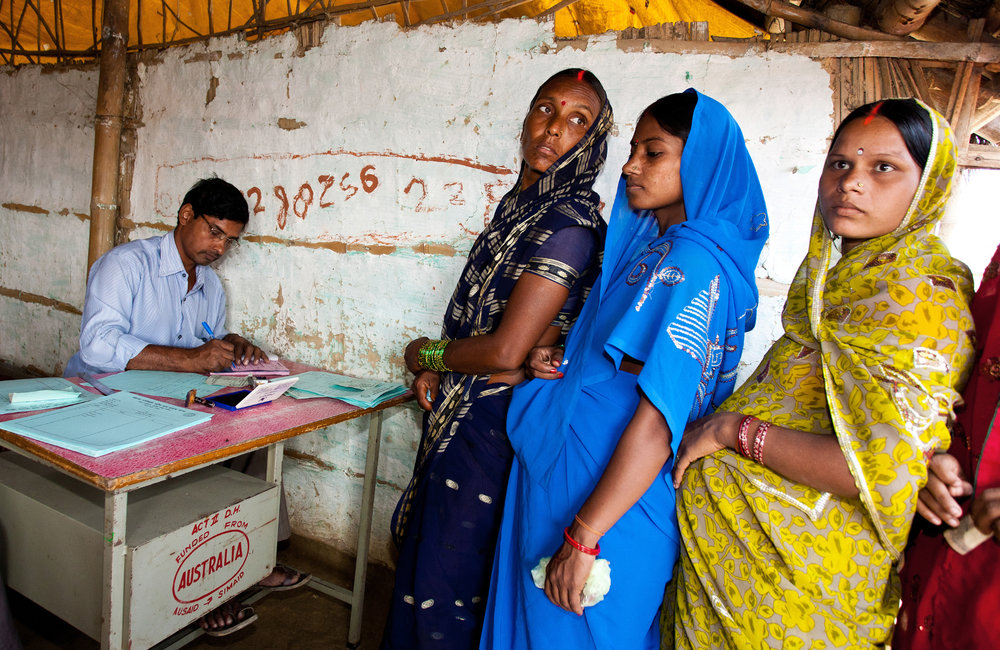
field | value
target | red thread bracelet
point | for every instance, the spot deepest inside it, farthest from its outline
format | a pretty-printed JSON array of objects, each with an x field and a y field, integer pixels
[
  {"x": 758, "y": 442},
  {"x": 743, "y": 446},
  {"x": 578, "y": 546}
]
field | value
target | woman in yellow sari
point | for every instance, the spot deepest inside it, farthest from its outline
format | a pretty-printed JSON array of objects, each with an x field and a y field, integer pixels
[{"x": 799, "y": 492}]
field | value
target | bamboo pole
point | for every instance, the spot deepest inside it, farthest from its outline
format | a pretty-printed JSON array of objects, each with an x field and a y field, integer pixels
[
  {"x": 510, "y": 4},
  {"x": 180, "y": 22},
  {"x": 108, "y": 129},
  {"x": 555, "y": 8}
]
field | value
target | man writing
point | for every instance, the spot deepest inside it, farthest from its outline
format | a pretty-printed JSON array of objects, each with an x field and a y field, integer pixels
[
  {"x": 147, "y": 299},
  {"x": 146, "y": 308}
]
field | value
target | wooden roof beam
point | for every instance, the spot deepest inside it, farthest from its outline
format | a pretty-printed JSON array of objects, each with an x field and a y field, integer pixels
[
  {"x": 815, "y": 20},
  {"x": 902, "y": 17}
]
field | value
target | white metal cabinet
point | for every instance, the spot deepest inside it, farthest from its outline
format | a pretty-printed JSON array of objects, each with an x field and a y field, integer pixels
[{"x": 192, "y": 542}]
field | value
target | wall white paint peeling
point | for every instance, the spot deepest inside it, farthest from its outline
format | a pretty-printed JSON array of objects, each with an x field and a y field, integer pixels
[
  {"x": 372, "y": 162},
  {"x": 46, "y": 152}
]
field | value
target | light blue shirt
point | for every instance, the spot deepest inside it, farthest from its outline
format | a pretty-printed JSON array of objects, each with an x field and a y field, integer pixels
[{"x": 137, "y": 295}]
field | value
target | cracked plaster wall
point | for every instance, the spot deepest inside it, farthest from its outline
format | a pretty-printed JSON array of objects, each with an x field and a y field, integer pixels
[
  {"x": 46, "y": 156},
  {"x": 371, "y": 162}
]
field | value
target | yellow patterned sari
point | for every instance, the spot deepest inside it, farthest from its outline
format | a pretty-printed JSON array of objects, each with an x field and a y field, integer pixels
[{"x": 875, "y": 351}]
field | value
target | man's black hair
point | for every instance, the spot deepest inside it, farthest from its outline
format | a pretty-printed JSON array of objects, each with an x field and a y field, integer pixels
[{"x": 215, "y": 197}]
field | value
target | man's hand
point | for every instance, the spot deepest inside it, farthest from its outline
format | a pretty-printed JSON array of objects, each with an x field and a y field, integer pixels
[
  {"x": 244, "y": 351},
  {"x": 215, "y": 356}
]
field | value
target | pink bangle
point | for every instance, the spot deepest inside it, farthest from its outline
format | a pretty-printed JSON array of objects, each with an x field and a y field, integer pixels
[
  {"x": 742, "y": 445},
  {"x": 578, "y": 546},
  {"x": 758, "y": 442}
]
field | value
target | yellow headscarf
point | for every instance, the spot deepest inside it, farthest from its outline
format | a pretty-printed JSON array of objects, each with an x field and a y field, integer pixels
[{"x": 876, "y": 349}]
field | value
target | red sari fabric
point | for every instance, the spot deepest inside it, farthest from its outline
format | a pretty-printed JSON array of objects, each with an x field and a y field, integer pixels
[{"x": 952, "y": 601}]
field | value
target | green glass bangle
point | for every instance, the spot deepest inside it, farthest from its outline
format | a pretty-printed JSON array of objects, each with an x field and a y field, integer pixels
[{"x": 431, "y": 356}]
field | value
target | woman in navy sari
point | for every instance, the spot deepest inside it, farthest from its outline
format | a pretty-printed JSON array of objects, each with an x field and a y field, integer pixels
[
  {"x": 656, "y": 346},
  {"x": 527, "y": 276}
]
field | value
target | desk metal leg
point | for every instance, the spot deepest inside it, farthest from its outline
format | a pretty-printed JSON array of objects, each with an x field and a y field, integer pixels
[
  {"x": 112, "y": 625},
  {"x": 365, "y": 527},
  {"x": 275, "y": 454}
]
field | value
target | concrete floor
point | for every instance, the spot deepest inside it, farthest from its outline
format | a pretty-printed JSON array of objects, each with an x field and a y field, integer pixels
[{"x": 302, "y": 619}]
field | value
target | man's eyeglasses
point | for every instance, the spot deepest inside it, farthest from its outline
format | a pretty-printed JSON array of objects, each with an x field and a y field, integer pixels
[{"x": 220, "y": 235}]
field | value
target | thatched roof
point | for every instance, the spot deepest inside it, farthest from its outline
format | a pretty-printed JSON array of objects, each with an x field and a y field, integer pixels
[
  {"x": 44, "y": 31},
  {"x": 57, "y": 31}
]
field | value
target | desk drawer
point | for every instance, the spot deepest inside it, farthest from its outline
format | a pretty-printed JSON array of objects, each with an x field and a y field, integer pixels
[{"x": 193, "y": 542}]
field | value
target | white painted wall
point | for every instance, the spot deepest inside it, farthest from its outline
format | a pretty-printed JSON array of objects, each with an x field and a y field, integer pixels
[
  {"x": 46, "y": 151},
  {"x": 344, "y": 278}
]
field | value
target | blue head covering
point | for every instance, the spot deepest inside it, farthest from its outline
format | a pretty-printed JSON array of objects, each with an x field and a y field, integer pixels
[{"x": 694, "y": 295}]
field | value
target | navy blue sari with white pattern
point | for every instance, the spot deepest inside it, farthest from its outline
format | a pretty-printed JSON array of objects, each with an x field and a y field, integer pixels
[{"x": 447, "y": 520}]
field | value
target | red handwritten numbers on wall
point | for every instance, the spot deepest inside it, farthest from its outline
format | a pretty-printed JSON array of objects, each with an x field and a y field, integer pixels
[
  {"x": 303, "y": 199},
  {"x": 257, "y": 206},
  {"x": 369, "y": 181},
  {"x": 279, "y": 192},
  {"x": 306, "y": 196},
  {"x": 327, "y": 182},
  {"x": 423, "y": 194}
]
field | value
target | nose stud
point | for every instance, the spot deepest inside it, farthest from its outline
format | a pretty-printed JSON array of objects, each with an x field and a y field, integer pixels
[{"x": 861, "y": 184}]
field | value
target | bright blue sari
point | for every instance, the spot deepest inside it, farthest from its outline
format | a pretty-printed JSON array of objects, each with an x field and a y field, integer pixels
[{"x": 680, "y": 304}]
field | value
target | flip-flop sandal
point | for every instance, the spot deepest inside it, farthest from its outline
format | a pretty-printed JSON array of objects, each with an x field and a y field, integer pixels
[
  {"x": 237, "y": 624},
  {"x": 298, "y": 579}
]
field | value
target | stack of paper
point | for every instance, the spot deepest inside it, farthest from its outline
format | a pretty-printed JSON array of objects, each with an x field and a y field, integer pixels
[
  {"x": 39, "y": 394},
  {"x": 365, "y": 393},
  {"x": 260, "y": 369},
  {"x": 106, "y": 424},
  {"x": 159, "y": 383}
]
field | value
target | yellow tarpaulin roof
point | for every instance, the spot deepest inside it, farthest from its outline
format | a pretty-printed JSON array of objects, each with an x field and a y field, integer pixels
[{"x": 72, "y": 26}]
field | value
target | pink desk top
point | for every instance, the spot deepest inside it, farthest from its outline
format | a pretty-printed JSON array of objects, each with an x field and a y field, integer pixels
[{"x": 228, "y": 433}]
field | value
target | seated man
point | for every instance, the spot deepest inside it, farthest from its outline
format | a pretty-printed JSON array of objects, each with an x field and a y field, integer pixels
[{"x": 145, "y": 306}]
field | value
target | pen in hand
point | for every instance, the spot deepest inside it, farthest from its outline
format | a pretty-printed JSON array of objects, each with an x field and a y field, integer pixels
[{"x": 211, "y": 334}]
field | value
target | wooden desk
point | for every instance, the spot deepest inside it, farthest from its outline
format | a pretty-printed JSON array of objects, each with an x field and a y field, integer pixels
[{"x": 226, "y": 435}]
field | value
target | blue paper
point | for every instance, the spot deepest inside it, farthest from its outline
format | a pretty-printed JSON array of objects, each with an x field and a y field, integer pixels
[
  {"x": 31, "y": 385},
  {"x": 365, "y": 393},
  {"x": 106, "y": 424},
  {"x": 160, "y": 383}
]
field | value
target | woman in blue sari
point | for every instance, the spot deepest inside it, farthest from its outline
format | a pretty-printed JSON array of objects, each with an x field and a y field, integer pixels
[
  {"x": 527, "y": 276},
  {"x": 656, "y": 346}
]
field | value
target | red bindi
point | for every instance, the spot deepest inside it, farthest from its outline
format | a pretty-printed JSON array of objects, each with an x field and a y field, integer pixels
[{"x": 564, "y": 102}]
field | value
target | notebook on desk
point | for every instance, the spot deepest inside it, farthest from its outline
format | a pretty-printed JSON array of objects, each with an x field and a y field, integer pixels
[{"x": 262, "y": 369}]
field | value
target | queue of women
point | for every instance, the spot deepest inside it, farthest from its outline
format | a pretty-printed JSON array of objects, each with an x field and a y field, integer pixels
[{"x": 583, "y": 413}]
